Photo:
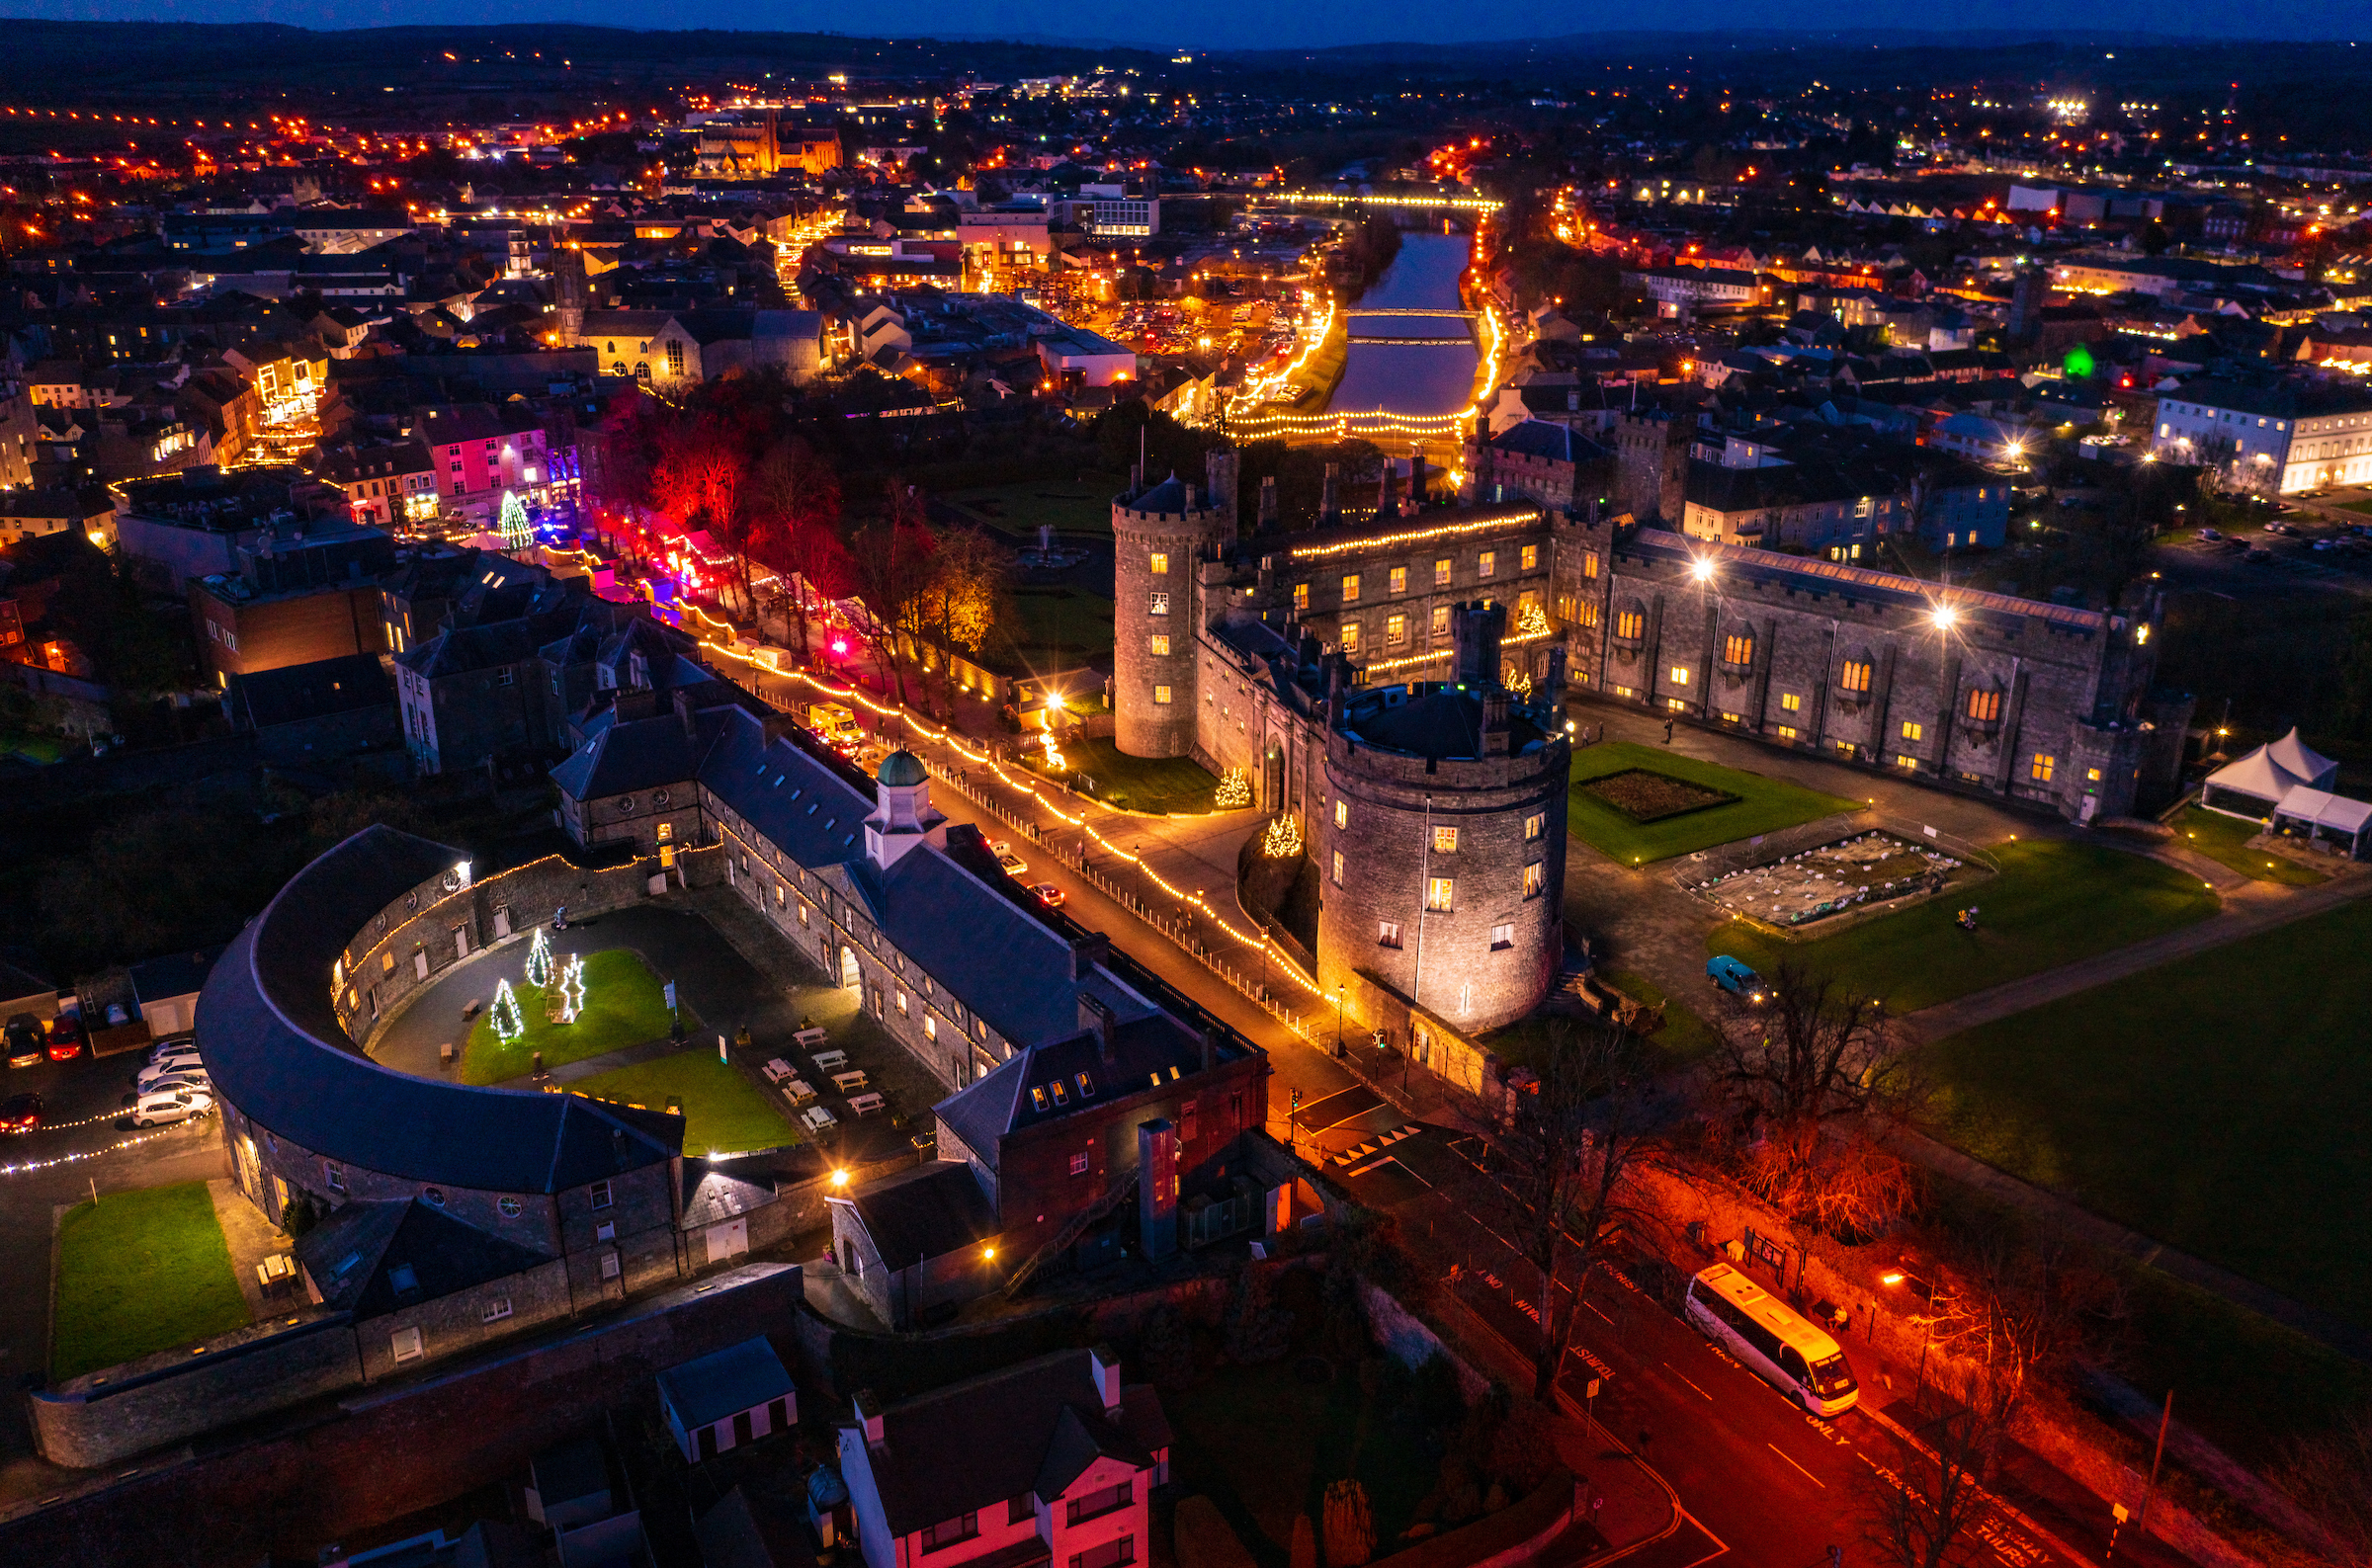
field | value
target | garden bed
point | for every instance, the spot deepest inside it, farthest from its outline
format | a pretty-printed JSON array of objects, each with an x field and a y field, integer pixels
[
  {"x": 1861, "y": 871},
  {"x": 1644, "y": 795}
]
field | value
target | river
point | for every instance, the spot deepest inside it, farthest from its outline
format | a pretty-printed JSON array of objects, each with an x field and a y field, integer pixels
[{"x": 1413, "y": 378}]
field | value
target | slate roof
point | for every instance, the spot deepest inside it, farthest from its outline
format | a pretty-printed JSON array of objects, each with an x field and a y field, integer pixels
[
  {"x": 742, "y": 1533},
  {"x": 1539, "y": 438},
  {"x": 174, "y": 974},
  {"x": 720, "y": 1189},
  {"x": 638, "y": 755},
  {"x": 1145, "y": 1050},
  {"x": 277, "y": 1052},
  {"x": 707, "y": 1389},
  {"x": 927, "y": 1211},
  {"x": 297, "y": 691},
  {"x": 374, "y": 1258},
  {"x": 973, "y": 1445}
]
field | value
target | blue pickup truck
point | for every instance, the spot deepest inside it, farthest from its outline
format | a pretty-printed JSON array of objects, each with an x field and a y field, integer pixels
[{"x": 1734, "y": 977}]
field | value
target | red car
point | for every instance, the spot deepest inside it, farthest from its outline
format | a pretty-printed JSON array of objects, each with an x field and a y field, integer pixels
[
  {"x": 65, "y": 1037},
  {"x": 20, "y": 1113}
]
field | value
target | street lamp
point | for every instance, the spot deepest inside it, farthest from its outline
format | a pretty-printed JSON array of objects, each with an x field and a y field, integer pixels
[{"x": 1338, "y": 1023}]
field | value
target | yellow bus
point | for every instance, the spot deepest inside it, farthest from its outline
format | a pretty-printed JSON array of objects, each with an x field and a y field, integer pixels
[{"x": 1785, "y": 1349}]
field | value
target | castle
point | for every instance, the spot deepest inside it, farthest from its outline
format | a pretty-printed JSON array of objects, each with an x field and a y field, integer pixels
[{"x": 1396, "y": 686}]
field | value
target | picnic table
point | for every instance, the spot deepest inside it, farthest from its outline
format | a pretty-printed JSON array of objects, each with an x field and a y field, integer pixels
[
  {"x": 777, "y": 1070},
  {"x": 799, "y": 1091},
  {"x": 848, "y": 1083},
  {"x": 831, "y": 1061},
  {"x": 865, "y": 1104},
  {"x": 273, "y": 1270},
  {"x": 816, "y": 1119},
  {"x": 809, "y": 1037}
]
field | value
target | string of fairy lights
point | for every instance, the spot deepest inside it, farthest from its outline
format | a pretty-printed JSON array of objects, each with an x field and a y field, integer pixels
[{"x": 27, "y": 1167}]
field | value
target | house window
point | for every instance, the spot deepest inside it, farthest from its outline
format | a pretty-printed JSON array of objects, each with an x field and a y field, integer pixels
[
  {"x": 1388, "y": 933},
  {"x": 1631, "y": 625},
  {"x": 1338, "y": 867},
  {"x": 1162, "y": 694},
  {"x": 1912, "y": 731},
  {"x": 600, "y": 1195},
  {"x": 1021, "y": 1510},
  {"x": 948, "y": 1532},
  {"x": 1078, "y": 1164},
  {"x": 1441, "y": 620},
  {"x": 1787, "y": 732},
  {"x": 1583, "y": 615},
  {"x": 1856, "y": 675},
  {"x": 608, "y": 1264},
  {"x": 1301, "y": 595},
  {"x": 1395, "y": 629},
  {"x": 1535, "y": 825},
  {"x": 1342, "y": 813},
  {"x": 506, "y": 676},
  {"x": 405, "y": 1344},
  {"x": 498, "y": 1309},
  {"x": 1486, "y": 564},
  {"x": 1737, "y": 648},
  {"x": 2092, "y": 775},
  {"x": 1679, "y": 675},
  {"x": 1589, "y": 565},
  {"x": 901, "y": 1001},
  {"x": 1440, "y": 895},
  {"x": 1984, "y": 705},
  {"x": 1441, "y": 573},
  {"x": 930, "y": 1028},
  {"x": 1444, "y": 841},
  {"x": 1160, "y": 605},
  {"x": 1399, "y": 579},
  {"x": 1160, "y": 644},
  {"x": 1105, "y": 1500},
  {"x": 1903, "y": 760},
  {"x": 1160, "y": 560},
  {"x": 1530, "y": 558},
  {"x": 1536, "y": 878},
  {"x": 335, "y": 1176},
  {"x": 2043, "y": 768},
  {"x": 1350, "y": 587},
  {"x": 1111, "y": 1554},
  {"x": 1350, "y": 637},
  {"x": 1503, "y": 937},
  {"x": 675, "y": 357},
  {"x": 1790, "y": 702}
]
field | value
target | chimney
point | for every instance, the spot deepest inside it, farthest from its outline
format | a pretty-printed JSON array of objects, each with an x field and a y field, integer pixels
[
  {"x": 1268, "y": 504},
  {"x": 686, "y": 714},
  {"x": 1209, "y": 1047},
  {"x": 1388, "y": 492},
  {"x": 1416, "y": 477},
  {"x": 1087, "y": 952},
  {"x": 1105, "y": 1364},
  {"x": 1329, "y": 500},
  {"x": 1135, "y": 480},
  {"x": 1475, "y": 630},
  {"x": 868, "y": 1416},
  {"x": 1221, "y": 465},
  {"x": 1191, "y": 502},
  {"x": 1096, "y": 1013}
]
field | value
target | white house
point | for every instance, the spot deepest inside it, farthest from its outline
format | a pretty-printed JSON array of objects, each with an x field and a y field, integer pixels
[
  {"x": 727, "y": 1398},
  {"x": 2274, "y": 439},
  {"x": 1045, "y": 1463}
]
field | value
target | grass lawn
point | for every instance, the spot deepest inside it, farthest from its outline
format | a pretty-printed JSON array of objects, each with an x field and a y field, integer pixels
[
  {"x": 2215, "y": 1104},
  {"x": 1763, "y": 805},
  {"x": 2225, "y": 839},
  {"x": 623, "y": 1006},
  {"x": 1177, "y": 786},
  {"x": 721, "y": 1108},
  {"x": 1085, "y": 506},
  {"x": 140, "y": 1272},
  {"x": 1040, "y": 629},
  {"x": 1685, "y": 1037},
  {"x": 1264, "y": 1445},
  {"x": 2056, "y": 902}
]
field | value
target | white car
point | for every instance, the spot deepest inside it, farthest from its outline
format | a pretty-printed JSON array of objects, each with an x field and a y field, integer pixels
[
  {"x": 179, "y": 1056},
  {"x": 171, "y": 1106},
  {"x": 165, "y": 1073}
]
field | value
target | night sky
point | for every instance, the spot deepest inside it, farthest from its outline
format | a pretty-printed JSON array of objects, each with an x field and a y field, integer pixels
[{"x": 1265, "y": 23}]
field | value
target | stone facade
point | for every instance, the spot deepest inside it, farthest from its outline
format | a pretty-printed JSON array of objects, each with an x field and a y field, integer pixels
[{"x": 1161, "y": 536}]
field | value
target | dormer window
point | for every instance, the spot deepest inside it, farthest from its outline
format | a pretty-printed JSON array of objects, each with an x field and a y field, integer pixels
[
  {"x": 1086, "y": 1087},
  {"x": 1057, "y": 1090},
  {"x": 1037, "y": 1096}
]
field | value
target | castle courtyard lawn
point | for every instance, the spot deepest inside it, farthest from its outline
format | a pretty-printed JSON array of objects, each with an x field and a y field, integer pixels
[
  {"x": 1763, "y": 805},
  {"x": 1042, "y": 629},
  {"x": 625, "y": 1004},
  {"x": 1178, "y": 785},
  {"x": 723, "y": 1111},
  {"x": 2225, "y": 839},
  {"x": 2055, "y": 901},
  {"x": 2215, "y": 1104},
  {"x": 140, "y": 1272},
  {"x": 1084, "y": 507}
]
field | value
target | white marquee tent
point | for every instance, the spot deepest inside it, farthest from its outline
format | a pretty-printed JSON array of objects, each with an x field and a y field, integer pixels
[
  {"x": 2258, "y": 783},
  {"x": 2320, "y": 817}
]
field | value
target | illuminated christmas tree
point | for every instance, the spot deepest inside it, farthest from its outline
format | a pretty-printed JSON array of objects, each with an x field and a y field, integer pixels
[
  {"x": 1283, "y": 840},
  {"x": 509, "y": 1022},
  {"x": 539, "y": 959},
  {"x": 1234, "y": 791},
  {"x": 517, "y": 531},
  {"x": 573, "y": 988}
]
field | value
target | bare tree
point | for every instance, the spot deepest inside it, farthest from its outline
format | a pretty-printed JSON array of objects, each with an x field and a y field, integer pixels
[
  {"x": 799, "y": 491},
  {"x": 1924, "y": 1502},
  {"x": 1808, "y": 1090},
  {"x": 892, "y": 571},
  {"x": 1567, "y": 1164},
  {"x": 2032, "y": 1303}
]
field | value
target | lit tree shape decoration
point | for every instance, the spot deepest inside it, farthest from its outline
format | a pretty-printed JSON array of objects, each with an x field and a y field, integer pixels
[
  {"x": 517, "y": 533},
  {"x": 509, "y": 1022},
  {"x": 573, "y": 988},
  {"x": 1283, "y": 840},
  {"x": 1234, "y": 791},
  {"x": 539, "y": 959},
  {"x": 1532, "y": 623}
]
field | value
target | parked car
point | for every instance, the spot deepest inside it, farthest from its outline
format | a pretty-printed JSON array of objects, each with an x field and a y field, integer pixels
[
  {"x": 181, "y": 1054},
  {"x": 171, "y": 1066},
  {"x": 65, "y": 1037},
  {"x": 1048, "y": 894},
  {"x": 2279, "y": 526},
  {"x": 2211, "y": 534},
  {"x": 1014, "y": 864},
  {"x": 171, "y": 1106},
  {"x": 162, "y": 1083},
  {"x": 171, "y": 1043},
  {"x": 1732, "y": 977},
  {"x": 20, "y": 1113},
  {"x": 25, "y": 1045}
]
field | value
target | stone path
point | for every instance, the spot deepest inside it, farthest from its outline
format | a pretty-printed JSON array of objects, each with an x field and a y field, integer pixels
[{"x": 251, "y": 1239}]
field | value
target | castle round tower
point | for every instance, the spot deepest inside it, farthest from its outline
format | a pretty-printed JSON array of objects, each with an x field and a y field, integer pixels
[
  {"x": 1158, "y": 533},
  {"x": 1442, "y": 844}
]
